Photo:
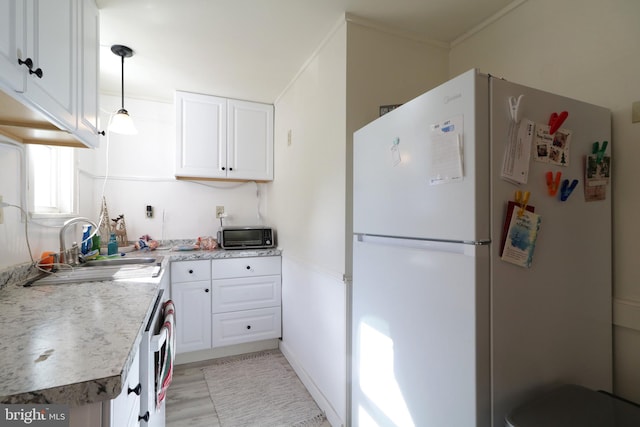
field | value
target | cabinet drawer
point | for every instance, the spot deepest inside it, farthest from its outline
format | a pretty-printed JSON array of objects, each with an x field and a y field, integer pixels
[
  {"x": 246, "y": 326},
  {"x": 245, "y": 267},
  {"x": 189, "y": 271},
  {"x": 245, "y": 293}
]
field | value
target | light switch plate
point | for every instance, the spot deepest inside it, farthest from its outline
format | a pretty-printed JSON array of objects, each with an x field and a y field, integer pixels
[{"x": 635, "y": 112}]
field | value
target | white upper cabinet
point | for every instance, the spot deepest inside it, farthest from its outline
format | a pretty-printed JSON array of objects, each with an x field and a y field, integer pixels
[
  {"x": 52, "y": 47},
  {"x": 219, "y": 138},
  {"x": 201, "y": 123},
  {"x": 250, "y": 140},
  {"x": 88, "y": 71},
  {"x": 49, "y": 65},
  {"x": 12, "y": 13}
]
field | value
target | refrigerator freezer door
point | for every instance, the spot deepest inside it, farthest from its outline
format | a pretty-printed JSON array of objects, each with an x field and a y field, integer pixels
[
  {"x": 420, "y": 334},
  {"x": 395, "y": 198}
]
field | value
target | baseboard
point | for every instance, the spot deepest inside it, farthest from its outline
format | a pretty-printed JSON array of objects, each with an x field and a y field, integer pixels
[{"x": 332, "y": 416}]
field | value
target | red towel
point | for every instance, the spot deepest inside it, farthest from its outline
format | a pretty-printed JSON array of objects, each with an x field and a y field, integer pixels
[{"x": 167, "y": 354}]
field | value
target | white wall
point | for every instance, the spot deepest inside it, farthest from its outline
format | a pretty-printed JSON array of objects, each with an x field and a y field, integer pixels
[
  {"x": 588, "y": 50},
  {"x": 307, "y": 202},
  {"x": 13, "y": 247},
  {"x": 352, "y": 73}
]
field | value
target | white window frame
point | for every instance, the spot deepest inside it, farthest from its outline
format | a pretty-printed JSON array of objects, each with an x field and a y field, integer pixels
[{"x": 52, "y": 181}]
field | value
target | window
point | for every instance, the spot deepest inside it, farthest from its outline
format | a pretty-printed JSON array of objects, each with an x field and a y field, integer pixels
[{"x": 51, "y": 180}]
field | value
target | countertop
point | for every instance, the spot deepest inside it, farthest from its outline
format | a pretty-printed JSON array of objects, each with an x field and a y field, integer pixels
[{"x": 74, "y": 343}]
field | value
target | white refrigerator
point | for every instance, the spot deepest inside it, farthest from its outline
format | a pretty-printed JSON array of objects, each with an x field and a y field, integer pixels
[{"x": 445, "y": 333}]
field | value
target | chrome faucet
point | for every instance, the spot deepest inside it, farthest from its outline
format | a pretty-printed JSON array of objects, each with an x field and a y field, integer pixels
[{"x": 66, "y": 225}]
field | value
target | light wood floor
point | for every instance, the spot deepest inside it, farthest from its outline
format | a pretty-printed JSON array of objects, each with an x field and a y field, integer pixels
[{"x": 188, "y": 401}]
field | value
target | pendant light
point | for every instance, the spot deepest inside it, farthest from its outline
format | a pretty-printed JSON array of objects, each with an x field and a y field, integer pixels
[{"x": 122, "y": 122}]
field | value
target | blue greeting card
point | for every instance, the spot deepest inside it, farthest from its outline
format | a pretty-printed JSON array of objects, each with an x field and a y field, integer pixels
[{"x": 521, "y": 238}]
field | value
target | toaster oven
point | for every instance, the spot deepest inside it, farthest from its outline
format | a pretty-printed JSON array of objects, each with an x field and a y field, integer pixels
[{"x": 246, "y": 237}]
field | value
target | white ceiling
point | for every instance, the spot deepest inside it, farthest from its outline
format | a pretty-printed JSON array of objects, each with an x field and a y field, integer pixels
[{"x": 250, "y": 49}]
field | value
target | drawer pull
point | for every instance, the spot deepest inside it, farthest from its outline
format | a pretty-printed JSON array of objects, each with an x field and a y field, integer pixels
[
  {"x": 190, "y": 271},
  {"x": 248, "y": 326},
  {"x": 248, "y": 267},
  {"x": 135, "y": 390},
  {"x": 144, "y": 417},
  {"x": 206, "y": 290}
]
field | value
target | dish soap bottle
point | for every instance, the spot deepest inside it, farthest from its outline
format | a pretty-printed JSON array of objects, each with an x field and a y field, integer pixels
[{"x": 112, "y": 246}]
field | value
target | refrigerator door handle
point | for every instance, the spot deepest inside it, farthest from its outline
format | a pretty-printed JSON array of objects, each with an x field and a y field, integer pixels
[{"x": 461, "y": 247}]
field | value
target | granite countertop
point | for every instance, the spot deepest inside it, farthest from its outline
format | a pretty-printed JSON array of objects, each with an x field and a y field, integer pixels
[
  {"x": 74, "y": 343},
  {"x": 219, "y": 253}
]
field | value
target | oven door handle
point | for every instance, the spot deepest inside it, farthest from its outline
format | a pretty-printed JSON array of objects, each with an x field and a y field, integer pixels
[{"x": 157, "y": 341}]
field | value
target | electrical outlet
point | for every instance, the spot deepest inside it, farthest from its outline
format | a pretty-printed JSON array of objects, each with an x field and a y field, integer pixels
[
  {"x": 1, "y": 212},
  {"x": 219, "y": 211}
]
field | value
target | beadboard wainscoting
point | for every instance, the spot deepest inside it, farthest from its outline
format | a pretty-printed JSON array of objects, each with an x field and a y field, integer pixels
[{"x": 314, "y": 317}]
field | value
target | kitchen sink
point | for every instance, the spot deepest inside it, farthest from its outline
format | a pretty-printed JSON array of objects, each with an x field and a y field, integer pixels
[
  {"x": 104, "y": 269},
  {"x": 120, "y": 261}
]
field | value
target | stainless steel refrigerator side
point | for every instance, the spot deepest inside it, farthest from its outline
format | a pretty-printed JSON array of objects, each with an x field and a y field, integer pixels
[{"x": 551, "y": 323}]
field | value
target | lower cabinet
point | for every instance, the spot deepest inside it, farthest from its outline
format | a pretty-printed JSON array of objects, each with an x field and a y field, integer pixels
[
  {"x": 235, "y": 301},
  {"x": 123, "y": 411},
  {"x": 191, "y": 294}
]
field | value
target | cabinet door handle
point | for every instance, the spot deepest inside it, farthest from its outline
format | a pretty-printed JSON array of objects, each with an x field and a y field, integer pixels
[
  {"x": 144, "y": 417},
  {"x": 190, "y": 271},
  {"x": 248, "y": 326},
  {"x": 223, "y": 168},
  {"x": 230, "y": 169},
  {"x": 248, "y": 267},
  {"x": 37, "y": 72},
  {"x": 206, "y": 290},
  {"x": 29, "y": 63},
  {"x": 135, "y": 390}
]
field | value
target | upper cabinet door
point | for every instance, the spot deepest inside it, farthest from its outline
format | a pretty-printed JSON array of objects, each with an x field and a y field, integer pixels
[
  {"x": 88, "y": 72},
  {"x": 220, "y": 138},
  {"x": 250, "y": 140},
  {"x": 52, "y": 45},
  {"x": 201, "y": 128},
  {"x": 12, "y": 28}
]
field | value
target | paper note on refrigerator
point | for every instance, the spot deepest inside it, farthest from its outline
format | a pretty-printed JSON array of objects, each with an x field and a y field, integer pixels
[
  {"x": 446, "y": 158},
  {"x": 517, "y": 153},
  {"x": 521, "y": 238}
]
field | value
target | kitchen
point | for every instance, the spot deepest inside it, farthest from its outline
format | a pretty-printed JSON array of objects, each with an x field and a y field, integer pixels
[{"x": 593, "y": 59}]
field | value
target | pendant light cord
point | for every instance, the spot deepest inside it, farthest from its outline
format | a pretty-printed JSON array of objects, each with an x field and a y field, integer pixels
[{"x": 122, "y": 80}]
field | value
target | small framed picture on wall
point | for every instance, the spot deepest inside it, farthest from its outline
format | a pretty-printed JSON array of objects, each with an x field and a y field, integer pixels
[{"x": 384, "y": 109}]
